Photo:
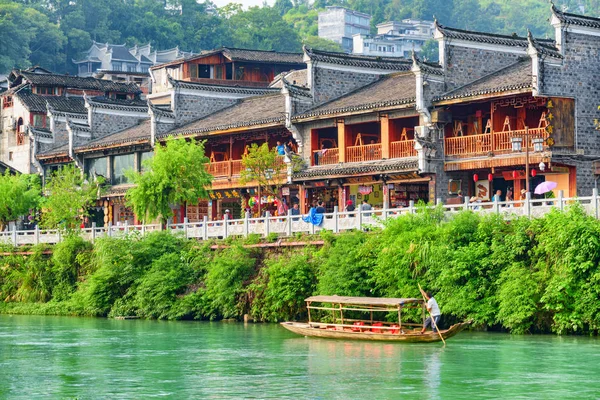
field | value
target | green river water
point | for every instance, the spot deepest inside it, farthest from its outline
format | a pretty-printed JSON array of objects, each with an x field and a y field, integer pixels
[{"x": 61, "y": 357}]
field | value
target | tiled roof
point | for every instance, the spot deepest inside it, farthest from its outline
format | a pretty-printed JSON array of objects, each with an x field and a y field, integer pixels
[
  {"x": 387, "y": 63},
  {"x": 135, "y": 134},
  {"x": 237, "y": 88},
  {"x": 257, "y": 56},
  {"x": 390, "y": 90},
  {"x": 297, "y": 78},
  {"x": 492, "y": 38},
  {"x": 61, "y": 150},
  {"x": 258, "y": 110},
  {"x": 107, "y": 102},
  {"x": 360, "y": 168},
  {"x": 514, "y": 77},
  {"x": 77, "y": 82},
  {"x": 121, "y": 52},
  {"x": 37, "y": 103},
  {"x": 574, "y": 19}
]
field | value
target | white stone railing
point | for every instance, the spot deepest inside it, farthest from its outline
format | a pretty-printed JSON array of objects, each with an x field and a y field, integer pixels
[{"x": 286, "y": 226}]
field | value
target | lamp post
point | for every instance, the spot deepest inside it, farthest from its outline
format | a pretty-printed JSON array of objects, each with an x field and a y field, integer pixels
[{"x": 538, "y": 147}]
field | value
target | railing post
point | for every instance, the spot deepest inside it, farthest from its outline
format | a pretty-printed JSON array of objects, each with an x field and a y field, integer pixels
[
  {"x": 595, "y": 200},
  {"x": 561, "y": 204},
  {"x": 59, "y": 236},
  {"x": 359, "y": 214},
  {"x": 246, "y": 223},
  {"x": 411, "y": 206},
  {"x": 14, "y": 235},
  {"x": 185, "y": 226},
  {"x": 93, "y": 236},
  {"x": 289, "y": 223},
  {"x": 225, "y": 226},
  {"x": 267, "y": 228},
  {"x": 466, "y": 203},
  {"x": 336, "y": 217},
  {"x": 37, "y": 234},
  {"x": 528, "y": 204},
  {"x": 110, "y": 229},
  {"x": 205, "y": 228},
  {"x": 143, "y": 229},
  {"x": 126, "y": 227},
  {"x": 496, "y": 205}
]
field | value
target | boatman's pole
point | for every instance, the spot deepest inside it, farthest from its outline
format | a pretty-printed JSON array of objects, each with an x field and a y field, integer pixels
[{"x": 429, "y": 312}]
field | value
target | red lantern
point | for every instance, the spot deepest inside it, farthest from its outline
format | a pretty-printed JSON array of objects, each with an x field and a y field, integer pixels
[
  {"x": 475, "y": 178},
  {"x": 490, "y": 177},
  {"x": 515, "y": 174},
  {"x": 533, "y": 172}
]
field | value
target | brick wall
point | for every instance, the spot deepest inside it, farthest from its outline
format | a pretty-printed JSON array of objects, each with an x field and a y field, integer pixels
[
  {"x": 464, "y": 65},
  {"x": 105, "y": 124},
  {"x": 190, "y": 108},
  {"x": 330, "y": 84}
]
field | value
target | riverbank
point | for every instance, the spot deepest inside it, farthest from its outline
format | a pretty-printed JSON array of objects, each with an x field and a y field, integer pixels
[{"x": 522, "y": 275}]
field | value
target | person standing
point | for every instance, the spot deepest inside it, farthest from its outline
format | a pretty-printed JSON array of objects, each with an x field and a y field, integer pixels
[
  {"x": 365, "y": 206},
  {"x": 320, "y": 207},
  {"x": 497, "y": 197},
  {"x": 280, "y": 149},
  {"x": 434, "y": 313},
  {"x": 295, "y": 211}
]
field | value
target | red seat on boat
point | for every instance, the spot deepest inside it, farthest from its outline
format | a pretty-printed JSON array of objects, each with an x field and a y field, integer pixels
[
  {"x": 375, "y": 330},
  {"x": 396, "y": 331},
  {"x": 357, "y": 324}
]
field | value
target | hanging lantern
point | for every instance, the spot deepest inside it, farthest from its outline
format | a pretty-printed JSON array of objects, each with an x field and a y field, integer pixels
[
  {"x": 533, "y": 172},
  {"x": 490, "y": 177},
  {"x": 475, "y": 178},
  {"x": 515, "y": 174}
]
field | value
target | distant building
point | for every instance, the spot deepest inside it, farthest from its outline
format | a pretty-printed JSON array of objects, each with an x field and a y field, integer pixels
[
  {"x": 394, "y": 39},
  {"x": 120, "y": 63},
  {"x": 340, "y": 24}
]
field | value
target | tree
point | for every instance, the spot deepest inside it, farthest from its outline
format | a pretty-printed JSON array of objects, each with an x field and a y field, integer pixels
[
  {"x": 266, "y": 168},
  {"x": 175, "y": 175},
  {"x": 69, "y": 195},
  {"x": 18, "y": 195},
  {"x": 283, "y": 6},
  {"x": 319, "y": 43},
  {"x": 430, "y": 51}
]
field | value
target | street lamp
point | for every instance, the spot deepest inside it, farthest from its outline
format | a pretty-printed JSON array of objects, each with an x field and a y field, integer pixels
[{"x": 538, "y": 146}]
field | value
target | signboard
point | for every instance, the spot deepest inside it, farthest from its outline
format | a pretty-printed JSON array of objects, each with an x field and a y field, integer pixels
[
  {"x": 482, "y": 190},
  {"x": 224, "y": 194}
]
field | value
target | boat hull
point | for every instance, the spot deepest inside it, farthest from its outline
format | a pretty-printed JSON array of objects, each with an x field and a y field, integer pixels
[{"x": 305, "y": 329}]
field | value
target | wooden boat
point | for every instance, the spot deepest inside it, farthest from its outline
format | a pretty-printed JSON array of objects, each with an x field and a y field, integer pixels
[{"x": 368, "y": 329}]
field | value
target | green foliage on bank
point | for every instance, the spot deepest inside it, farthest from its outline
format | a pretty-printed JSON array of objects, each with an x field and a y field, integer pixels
[{"x": 522, "y": 275}]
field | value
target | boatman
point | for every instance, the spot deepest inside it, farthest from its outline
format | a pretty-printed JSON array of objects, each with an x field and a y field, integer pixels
[{"x": 434, "y": 311}]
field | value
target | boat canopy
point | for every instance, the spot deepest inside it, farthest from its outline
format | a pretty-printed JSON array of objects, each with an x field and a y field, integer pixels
[{"x": 370, "y": 301}]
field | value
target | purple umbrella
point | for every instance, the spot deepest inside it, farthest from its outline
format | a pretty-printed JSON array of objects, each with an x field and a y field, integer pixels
[{"x": 545, "y": 187}]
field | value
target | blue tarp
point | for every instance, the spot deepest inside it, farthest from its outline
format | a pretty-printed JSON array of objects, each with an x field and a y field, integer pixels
[{"x": 313, "y": 217}]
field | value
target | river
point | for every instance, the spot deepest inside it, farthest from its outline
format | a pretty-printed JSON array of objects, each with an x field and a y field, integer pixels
[{"x": 86, "y": 358}]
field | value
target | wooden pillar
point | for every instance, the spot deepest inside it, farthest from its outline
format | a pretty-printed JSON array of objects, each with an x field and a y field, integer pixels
[
  {"x": 341, "y": 140},
  {"x": 341, "y": 198},
  {"x": 385, "y": 136},
  {"x": 302, "y": 195}
]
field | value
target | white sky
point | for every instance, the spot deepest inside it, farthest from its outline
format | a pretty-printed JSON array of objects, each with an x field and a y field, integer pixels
[{"x": 245, "y": 3}]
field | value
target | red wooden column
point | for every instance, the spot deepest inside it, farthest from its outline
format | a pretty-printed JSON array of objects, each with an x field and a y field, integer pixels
[
  {"x": 341, "y": 140},
  {"x": 385, "y": 136}
]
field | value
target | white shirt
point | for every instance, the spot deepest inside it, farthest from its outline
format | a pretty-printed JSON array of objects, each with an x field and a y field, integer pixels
[{"x": 433, "y": 307}]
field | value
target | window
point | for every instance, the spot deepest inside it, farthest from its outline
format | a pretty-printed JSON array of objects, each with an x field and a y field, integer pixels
[
  {"x": 120, "y": 164},
  {"x": 96, "y": 166},
  {"x": 143, "y": 157},
  {"x": 39, "y": 121},
  {"x": 131, "y": 68},
  {"x": 117, "y": 66}
]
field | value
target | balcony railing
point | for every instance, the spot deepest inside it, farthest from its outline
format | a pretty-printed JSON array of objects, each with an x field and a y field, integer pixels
[
  {"x": 367, "y": 152},
  {"x": 225, "y": 169},
  {"x": 329, "y": 156},
  {"x": 403, "y": 148},
  {"x": 496, "y": 142}
]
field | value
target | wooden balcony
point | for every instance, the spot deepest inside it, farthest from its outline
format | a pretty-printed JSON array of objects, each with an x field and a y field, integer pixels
[
  {"x": 403, "y": 148},
  {"x": 331, "y": 156},
  {"x": 229, "y": 82},
  {"x": 227, "y": 169},
  {"x": 495, "y": 142},
  {"x": 367, "y": 152}
]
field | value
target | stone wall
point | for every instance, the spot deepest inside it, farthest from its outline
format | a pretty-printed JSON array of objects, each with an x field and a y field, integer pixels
[
  {"x": 190, "y": 108},
  {"x": 464, "y": 65},
  {"x": 106, "y": 123},
  {"x": 329, "y": 84}
]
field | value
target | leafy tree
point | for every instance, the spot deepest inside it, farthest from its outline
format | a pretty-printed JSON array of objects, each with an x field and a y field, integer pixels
[
  {"x": 430, "y": 51},
  {"x": 320, "y": 43},
  {"x": 69, "y": 195},
  {"x": 175, "y": 175},
  {"x": 283, "y": 6},
  {"x": 18, "y": 194}
]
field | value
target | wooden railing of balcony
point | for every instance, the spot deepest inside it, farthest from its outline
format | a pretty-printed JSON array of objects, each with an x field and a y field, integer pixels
[
  {"x": 225, "y": 169},
  {"x": 496, "y": 142},
  {"x": 331, "y": 156},
  {"x": 367, "y": 152},
  {"x": 403, "y": 148}
]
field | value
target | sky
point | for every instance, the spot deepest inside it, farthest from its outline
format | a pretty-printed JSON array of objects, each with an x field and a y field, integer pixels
[{"x": 245, "y": 3}]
